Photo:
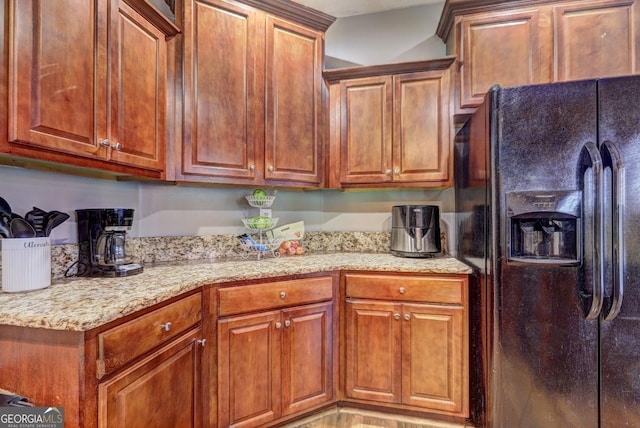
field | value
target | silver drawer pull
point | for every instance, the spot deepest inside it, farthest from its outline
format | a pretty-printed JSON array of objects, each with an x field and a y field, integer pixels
[
  {"x": 278, "y": 324},
  {"x": 283, "y": 294},
  {"x": 201, "y": 342},
  {"x": 407, "y": 317},
  {"x": 403, "y": 290},
  {"x": 166, "y": 326},
  {"x": 287, "y": 323},
  {"x": 396, "y": 316}
]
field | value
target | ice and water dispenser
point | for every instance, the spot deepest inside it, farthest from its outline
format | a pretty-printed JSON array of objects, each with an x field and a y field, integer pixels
[{"x": 545, "y": 227}]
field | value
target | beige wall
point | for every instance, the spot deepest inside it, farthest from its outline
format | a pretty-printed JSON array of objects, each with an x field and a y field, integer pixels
[{"x": 379, "y": 38}]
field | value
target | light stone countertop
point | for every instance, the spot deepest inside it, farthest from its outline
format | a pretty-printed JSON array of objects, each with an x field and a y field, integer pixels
[{"x": 83, "y": 304}]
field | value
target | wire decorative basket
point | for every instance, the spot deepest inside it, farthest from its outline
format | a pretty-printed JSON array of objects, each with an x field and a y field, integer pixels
[
  {"x": 260, "y": 201},
  {"x": 254, "y": 225},
  {"x": 260, "y": 247}
]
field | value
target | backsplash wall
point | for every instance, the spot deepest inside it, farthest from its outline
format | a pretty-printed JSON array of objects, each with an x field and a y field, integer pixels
[{"x": 167, "y": 210}]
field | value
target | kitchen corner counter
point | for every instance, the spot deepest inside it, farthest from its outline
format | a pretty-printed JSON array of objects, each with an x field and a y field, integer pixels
[{"x": 84, "y": 304}]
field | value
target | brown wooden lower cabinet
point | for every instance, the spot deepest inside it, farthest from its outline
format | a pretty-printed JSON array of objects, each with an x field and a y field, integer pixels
[
  {"x": 141, "y": 372},
  {"x": 275, "y": 363},
  {"x": 406, "y": 341},
  {"x": 272, "y": 354},
  {"x": 161, "y": 390}
]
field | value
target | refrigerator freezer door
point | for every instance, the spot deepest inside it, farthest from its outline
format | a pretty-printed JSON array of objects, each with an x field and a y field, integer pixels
[
  {"x": 620, "y": 338},
  {"x": 544, "y": 352}
]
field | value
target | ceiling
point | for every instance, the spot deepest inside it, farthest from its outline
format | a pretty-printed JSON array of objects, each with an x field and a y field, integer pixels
[{"x": 343, "y": 8}]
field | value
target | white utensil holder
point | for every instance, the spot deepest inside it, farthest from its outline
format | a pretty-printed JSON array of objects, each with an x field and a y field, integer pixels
[{"x": 26, "y": 264}]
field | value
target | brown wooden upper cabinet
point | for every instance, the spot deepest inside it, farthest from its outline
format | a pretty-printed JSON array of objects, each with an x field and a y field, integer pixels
[
  {"x": 595, "y": 39},
  {"x": 390, "y": 125},
  {"x": 540, "y": 41},
  {"x": 503, "y": 47},
  {"x": 87, "y": 84},
  {"x": 253, "y": 98}
]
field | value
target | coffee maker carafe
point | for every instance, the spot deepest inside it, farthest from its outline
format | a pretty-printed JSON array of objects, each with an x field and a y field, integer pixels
[{"x": 101, "y": 241}]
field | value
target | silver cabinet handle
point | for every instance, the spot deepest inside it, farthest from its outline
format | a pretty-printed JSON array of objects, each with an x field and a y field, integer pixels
[
  {"x": 252, "y": 167},
  {"x": 105, "y": 143},
  {"x": 201, "y": 342},
  {"x": 396, "y": 316},
  {"x": 407, "y": 317},
  {"x": 402, "y": 290},
  {"x": 283, "y": 294},
  {"x": 278, "y": 324},
  {"x": 270, "y": 168},
  {"x": 287, "y": 323},
  {"x": 116, "y": 146},
  {"x": 388, "y": 172},
  {"x": 397, "y": 171},
  {"x": 166, "y": 326}
]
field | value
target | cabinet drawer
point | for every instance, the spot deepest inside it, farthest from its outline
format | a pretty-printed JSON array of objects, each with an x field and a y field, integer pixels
[
  {"x": 122, "y": 344},
  {"x": 436, "y": 289},
  {"x": 273, "y": 295}
]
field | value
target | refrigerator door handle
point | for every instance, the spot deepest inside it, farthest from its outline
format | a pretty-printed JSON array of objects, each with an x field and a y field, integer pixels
[
  {"x": 610, "y": 152},
  {"x": 597, "y": 246}
]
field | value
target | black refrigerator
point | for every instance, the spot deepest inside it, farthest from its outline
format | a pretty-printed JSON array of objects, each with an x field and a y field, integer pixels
[{"x": 548, "y": 214}]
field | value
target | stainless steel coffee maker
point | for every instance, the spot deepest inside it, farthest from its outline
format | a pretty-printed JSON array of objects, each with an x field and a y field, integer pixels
[
  {"x": 102, "y": 241},
  {"x": 415, "y": 231}
]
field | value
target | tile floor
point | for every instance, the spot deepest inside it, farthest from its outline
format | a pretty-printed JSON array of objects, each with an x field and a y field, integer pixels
[{"x": 355, "y": 418}]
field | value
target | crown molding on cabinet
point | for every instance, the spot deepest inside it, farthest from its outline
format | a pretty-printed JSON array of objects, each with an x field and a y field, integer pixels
[
  {"x": 453, "y": 8},
  {"x": 295, "y": 11},
  {"x": 402, "y": 67},
  {"x": 154, "y": 16}
]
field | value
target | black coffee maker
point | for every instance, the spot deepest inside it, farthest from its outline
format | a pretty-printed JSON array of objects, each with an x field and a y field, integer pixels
[{"x": 101, "y": 242}]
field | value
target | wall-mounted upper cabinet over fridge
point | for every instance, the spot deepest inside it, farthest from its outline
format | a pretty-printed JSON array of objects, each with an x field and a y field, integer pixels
[
  {"x": 253, "y": 96},
  {"x": 390, "y": 125},
  {"x": 517, "y": 43},
  {"x": 87, "y": 84}
]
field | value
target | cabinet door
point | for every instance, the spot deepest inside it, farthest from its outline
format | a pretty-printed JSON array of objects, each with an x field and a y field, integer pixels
[
  {"x": 294, "y": 106},
  {"x": 434, "y": 355},
  {"x": 223, "y": 90},
  {"x": 373, "y": 351},
  {"x": 501, "y": 48},
  {"x": 479, "y": 163},
  {"x": 421, "y": 125},
  {"x": 57, "y": 97},
  {"x": 161, "y": 390},
  {"x": 249, "y": 353},
  {"x": 307, "y": 368},
  {"x": 596, "y": 39},
  {"x": 366, "y": 134},
  {"x": 138, "y": 89}
]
